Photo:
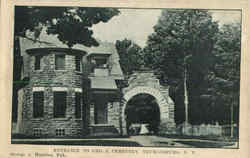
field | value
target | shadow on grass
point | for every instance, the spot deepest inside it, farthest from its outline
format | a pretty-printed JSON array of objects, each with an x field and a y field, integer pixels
[
  {"x": 21, "y": 136},
  {"x": 205, "y": 144},
  {"x": 213, "y": 138},
  {"x": 84, "y": 143}
]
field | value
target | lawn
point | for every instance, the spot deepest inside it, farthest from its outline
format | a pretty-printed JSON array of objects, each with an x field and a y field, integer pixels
[
  {"x": 83, "y": 142},
  {"x": 202, "y": 144}
]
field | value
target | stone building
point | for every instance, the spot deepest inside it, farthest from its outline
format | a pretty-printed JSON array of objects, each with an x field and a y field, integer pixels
[
  {"x": 55, "y": 82},
  {"x": 60, "y": 87},
  {"x": 77, "y": 92}
]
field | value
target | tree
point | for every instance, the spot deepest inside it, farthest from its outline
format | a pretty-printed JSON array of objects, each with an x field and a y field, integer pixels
[
  {"x": 225, "y": 74},
  {"x": 180, "y": 49},
  {"x": 71, "y": 25},
  {"x": 131, "y": 57}
]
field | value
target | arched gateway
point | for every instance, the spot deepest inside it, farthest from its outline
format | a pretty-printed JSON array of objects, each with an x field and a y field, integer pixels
[{"x": 145, "y": 82}]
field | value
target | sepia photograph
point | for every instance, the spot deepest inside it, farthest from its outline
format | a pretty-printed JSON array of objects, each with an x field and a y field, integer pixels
[{"x": 126, "y": 77}]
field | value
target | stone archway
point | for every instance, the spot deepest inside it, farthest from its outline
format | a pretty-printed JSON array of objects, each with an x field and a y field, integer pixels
[{"x": 164, "y": 106}]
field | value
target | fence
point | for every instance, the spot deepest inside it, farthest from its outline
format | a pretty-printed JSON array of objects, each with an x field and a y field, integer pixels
[
  {"x": 207, "y": 130},
  {"x": 226, "y": 130}
]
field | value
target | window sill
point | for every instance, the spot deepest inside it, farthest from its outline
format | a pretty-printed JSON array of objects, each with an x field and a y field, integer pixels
[
  {"x": 38, "y": 70},
  {"x": 100, "y": 125},
  {"x": 78, "y": 72},
  {"x": 37, "y": 119},
  {"x": 60, "y": 70},
  {"x": 60, "y": 119},
  {"x": 78, "y": 119}
]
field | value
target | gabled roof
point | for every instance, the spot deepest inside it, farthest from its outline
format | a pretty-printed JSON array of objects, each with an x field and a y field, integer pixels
[{"x": 51, "y": 41}]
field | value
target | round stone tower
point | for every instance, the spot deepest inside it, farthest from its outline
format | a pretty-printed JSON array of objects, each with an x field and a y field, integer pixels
[{"x": 53, "y": 104}]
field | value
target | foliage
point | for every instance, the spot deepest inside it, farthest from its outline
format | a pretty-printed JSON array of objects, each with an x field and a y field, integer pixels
[
  {"x": 191, "y": 39},
  {"x": 131, "y": 57},
  {"x": 182, "y": 39},
  {"x": 70, "y": 24},
  {"x": 224, "y": 76}
]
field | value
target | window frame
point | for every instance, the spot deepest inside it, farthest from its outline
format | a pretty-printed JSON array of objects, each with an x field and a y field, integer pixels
[
  {"x": 57, "y": 113},
  {"x": 78, "y": 58},
  {"x": 37, "y": 115},
  {"x": 56, "y": 63},
  {"x": 38, "y": 59},
  {"x": 101, "y": 63},
  {"x": 60, "y": 132},
  {"x": 78, "y": 109},
  {"x": 37, "y": 132}
]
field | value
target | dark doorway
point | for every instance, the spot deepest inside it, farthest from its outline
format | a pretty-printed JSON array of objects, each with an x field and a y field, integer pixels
[{"x": 142, "y": 109}]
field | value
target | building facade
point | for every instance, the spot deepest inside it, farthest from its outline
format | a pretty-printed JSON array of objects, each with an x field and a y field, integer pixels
[
  {"x": 78, "y": 92},
  {"x": 52, "y": 100},
  {"x": 60, "y": 87}
]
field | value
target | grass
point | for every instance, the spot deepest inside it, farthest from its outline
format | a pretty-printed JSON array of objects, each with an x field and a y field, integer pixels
[
  {"x": 21, "y": 136},
  {"x": 192, "y": 141},
  {"x": 82, "y": 142},
  {"x": 213, "y": 138},
  {"x": 200, "y": 144}
]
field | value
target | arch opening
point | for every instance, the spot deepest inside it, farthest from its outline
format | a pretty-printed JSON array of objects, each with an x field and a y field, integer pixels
[
  {"x": 166, "y": 120},
  {"x": 142, "y": 110}
]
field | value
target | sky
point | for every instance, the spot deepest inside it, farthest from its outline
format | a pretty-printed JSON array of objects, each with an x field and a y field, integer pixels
[{"x": 137, "y": 24}]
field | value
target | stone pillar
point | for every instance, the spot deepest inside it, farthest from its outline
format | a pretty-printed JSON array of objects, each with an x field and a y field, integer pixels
[
  {"x": 124, "y": 129},
  {"x": 167, "y": 127},
  {"x": 21, "y": 99},
  {"x": 167, "y": 124},
  {"x": 114, "y": 114},
  {"x": 123, "y": 118}
]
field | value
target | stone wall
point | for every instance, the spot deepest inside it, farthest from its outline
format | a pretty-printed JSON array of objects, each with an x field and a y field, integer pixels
[{"x": 48, "y": 78}]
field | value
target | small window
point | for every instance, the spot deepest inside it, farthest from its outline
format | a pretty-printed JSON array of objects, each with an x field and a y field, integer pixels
[
  {"x": 60, "y": 104},
  {"x": 60, "y": 132},
  {"x": 60, "y": 62},
  {"x": 101, "y": 63},
  {"x": 78, "y": 105},
  {"x": 38, "y": 99},
  {"x": 38, "y": 62},
  {"x": 79, "y": 131},
  {"x": 76, "y": 131},
  {"x": 78, "y": 63},
  {"x": 37, "y": 131}
]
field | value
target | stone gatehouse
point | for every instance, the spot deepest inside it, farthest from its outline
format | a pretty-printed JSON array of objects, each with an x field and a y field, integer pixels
[{"x": 77, "y": 92}]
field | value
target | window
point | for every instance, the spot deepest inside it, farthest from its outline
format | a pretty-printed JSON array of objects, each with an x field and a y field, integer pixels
[
  {"x": 38, "y": 62},
  {"x": 38, "y": 99},
  {"x": 60, "y": 62},
  {"x": 37, "y": 131},
  {"x": 60, "y": 132},
  {"x": 59, "y": 104},
  {"x": 78, "y": 63},
  {"x": 76, "y": 131},
  {"x": 101, "y": 63},
  {"x": 78, "y": 105}
]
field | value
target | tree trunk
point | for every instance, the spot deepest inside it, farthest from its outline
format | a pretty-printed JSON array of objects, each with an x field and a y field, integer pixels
[
  {"x": 232, "y": 122},
  {"x": 185, "y": 95}
]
